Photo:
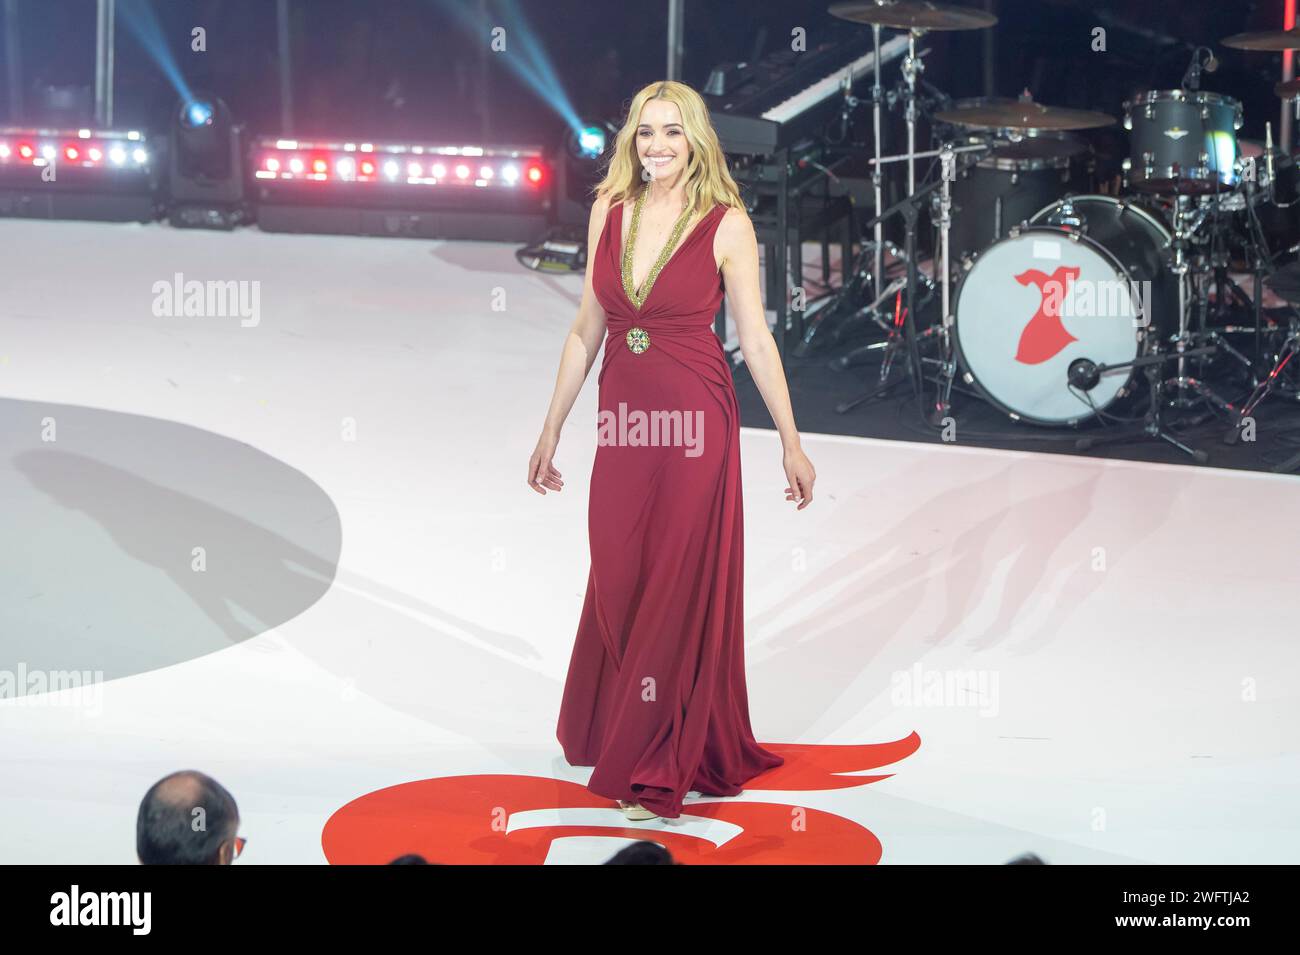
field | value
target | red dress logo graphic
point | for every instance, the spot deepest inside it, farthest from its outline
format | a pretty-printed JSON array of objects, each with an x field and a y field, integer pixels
[
  {"x": 512, "y": 820},
  {"x": 1045, "y": 336}
]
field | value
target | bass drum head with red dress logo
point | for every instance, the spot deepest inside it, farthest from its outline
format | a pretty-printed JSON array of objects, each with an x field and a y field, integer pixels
[{"x": 1031, "y": 304}]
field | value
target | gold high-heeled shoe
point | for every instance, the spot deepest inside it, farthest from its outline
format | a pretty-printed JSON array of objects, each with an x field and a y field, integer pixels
[{"x": 636, "y": 811}]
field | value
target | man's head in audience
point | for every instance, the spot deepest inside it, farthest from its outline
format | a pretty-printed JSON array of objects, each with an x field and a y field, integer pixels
[{"x": 187, "y": 818}]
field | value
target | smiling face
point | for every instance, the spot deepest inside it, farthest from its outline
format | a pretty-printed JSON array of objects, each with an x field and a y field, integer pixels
[{"x": 661, "y": 142}]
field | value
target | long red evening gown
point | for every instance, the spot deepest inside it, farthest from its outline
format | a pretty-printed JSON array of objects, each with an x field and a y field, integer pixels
[{"x": 655, "y": 695}]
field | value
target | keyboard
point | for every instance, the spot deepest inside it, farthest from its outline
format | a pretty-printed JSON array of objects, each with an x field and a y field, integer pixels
[{"x": 761, "y": 107}]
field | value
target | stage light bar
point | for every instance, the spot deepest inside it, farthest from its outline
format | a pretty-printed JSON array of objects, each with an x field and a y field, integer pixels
[
  {"x": 392, "y": 188},
  {"x": 112, "y": 150},
  {"x": 408, "y": 164},
  {"x": 77, "y": 173}
]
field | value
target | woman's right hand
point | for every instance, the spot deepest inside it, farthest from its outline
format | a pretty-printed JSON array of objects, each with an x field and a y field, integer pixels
[{"x": 541, "y": 473}]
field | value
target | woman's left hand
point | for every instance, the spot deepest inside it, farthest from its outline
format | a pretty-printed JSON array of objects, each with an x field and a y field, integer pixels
[{"x": 799, "y": 472}]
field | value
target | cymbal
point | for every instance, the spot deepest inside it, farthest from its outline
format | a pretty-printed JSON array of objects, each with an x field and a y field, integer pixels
[
  {"x": 1023, "y": 114},
  {"x": 1288, "y": 90},
  {"x": 913, "y": 15},
  {"x": 1267, "y": 40}
]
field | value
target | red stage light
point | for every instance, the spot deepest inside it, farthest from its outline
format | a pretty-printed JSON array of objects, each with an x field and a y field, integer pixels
[
  {"x": 319, "y": 165},
  {"x": 71, "y": 152},
  {"x": 272, "y": 164},
  {"x": 25, "y": 150},
  {"x": 534, "y": 174},
  {"x": 367, "y": 167}
]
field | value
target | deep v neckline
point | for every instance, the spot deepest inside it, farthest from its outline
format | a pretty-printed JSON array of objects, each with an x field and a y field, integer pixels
[{"x": 681, "y": 244}]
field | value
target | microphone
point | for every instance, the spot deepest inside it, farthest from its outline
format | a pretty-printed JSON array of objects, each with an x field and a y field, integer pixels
[
  {"x": 1082, "y": 374},
  {"x": 1192, "y": 78}
]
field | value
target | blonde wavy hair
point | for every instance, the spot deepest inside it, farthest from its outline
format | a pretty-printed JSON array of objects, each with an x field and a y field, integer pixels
[{"x": 708, "y": 182}]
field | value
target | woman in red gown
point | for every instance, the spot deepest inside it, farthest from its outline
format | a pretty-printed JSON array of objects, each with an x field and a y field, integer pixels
[{"x": 655, "y": 696}]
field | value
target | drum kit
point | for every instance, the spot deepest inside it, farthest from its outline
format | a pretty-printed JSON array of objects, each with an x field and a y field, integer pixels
[{"x": 1061, "y": 304}]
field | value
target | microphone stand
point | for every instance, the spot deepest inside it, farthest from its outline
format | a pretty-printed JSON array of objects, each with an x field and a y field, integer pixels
[{"x": 1089, "y": 374}]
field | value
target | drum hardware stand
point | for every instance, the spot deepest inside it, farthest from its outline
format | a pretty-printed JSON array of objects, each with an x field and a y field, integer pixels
[
  {"x": 887, "y": 362},
  {"x": 1262, "y": 261},
  {"x": 1261, "y": 258},
  {"x": 1227, "y": 289},
  {"x": 917, "y": 18},
  {"x": 912, "y": 68},
  {"x": 878, "y": 229},
  {"x": 1217, "y": 264},
  {"x": 1225, "y": 286},
  {"x": 1290, "y": 348},
  {"x": 1271, "y": 385},
  {"x": 1085, "y": 374},
  {"x": 820, "y": 320},
  {"x": 1216, "y": 270},
  {"x": 1179, "y": 266},
  {"x": 872, "y": 311},
  {"x": 878, "y": 244},
  {"x": 910, "y": 207},
  {"x": 942, "y": 408}
]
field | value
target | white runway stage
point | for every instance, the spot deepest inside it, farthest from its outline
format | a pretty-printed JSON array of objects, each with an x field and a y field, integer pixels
[{"x": 303, "y": 556}]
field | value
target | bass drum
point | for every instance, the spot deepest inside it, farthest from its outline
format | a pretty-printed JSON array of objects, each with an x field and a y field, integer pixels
[{"x": 1085, "y": 279}]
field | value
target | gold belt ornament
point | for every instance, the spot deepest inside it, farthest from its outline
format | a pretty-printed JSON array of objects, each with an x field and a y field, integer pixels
[{"x": 638, "y": 340}]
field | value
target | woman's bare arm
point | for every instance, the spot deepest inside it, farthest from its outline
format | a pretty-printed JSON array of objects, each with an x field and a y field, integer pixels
[
  {"x": 738, "y": 245},
  {"x": 581, "y": 345}
]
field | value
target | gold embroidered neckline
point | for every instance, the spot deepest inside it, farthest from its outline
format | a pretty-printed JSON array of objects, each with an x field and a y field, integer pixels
[{"x": 636, "y": 297}]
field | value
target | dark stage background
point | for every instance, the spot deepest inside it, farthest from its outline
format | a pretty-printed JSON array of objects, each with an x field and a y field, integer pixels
[
  {"x": 409, "y": 67},
  {"x": 412, "y": 68}
]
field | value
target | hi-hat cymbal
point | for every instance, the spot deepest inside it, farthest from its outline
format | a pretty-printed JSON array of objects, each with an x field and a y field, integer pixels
[
  {"x": 1023, "y": 114},
  {"x": 913, "y": 15},
  {"x": 1267, "y": 40}
]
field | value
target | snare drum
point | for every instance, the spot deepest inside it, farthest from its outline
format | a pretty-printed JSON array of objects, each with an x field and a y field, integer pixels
[
  {"x": 1182, "y": 141},
  {"x": 1086, "y": 279}
]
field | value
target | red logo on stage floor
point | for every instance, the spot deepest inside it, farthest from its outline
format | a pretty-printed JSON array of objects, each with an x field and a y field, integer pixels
[
  {"x": 513, "y": 820},
  {"x": 1045, "y": 336}
]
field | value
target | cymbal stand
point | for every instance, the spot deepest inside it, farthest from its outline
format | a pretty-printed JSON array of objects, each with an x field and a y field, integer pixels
[
  {"x": 912, "y": 68},
  {"x": 942, "y": 407},
  {"x": 878, "y": 246},
  {"x": 878, "y": 233},
  {"x": 1178, "y": 266},
  {"x": 910, "y": 208}
]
